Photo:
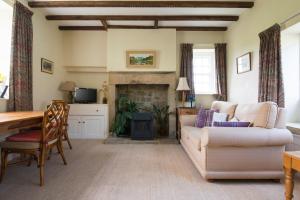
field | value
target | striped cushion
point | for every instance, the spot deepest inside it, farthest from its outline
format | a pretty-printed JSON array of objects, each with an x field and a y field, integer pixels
[
  {"x": 232, "y": 124},
  {"x": 204, "y": 118}
]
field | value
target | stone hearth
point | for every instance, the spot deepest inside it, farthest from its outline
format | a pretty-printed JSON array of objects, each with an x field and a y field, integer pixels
[{"x": 119, "y": 81}]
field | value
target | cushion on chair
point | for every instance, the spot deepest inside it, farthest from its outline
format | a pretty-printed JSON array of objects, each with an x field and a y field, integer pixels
[{"x": 29, "y": 136}]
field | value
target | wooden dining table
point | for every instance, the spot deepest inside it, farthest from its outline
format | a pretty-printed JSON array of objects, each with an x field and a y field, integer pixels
[{"x": 12, "y": 121}]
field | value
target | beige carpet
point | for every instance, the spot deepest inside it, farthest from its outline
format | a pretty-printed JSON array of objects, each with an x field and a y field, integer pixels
[{"x": 98, "y": 171}]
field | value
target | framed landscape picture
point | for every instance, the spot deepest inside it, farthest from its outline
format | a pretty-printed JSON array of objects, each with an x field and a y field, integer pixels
[
  {"x": 47, "y": 66},
  {"x": 244, "y": 63},
  {"x": 141, "y": 59}
]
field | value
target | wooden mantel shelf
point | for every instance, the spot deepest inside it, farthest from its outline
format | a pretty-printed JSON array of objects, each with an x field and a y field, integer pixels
[{"x": 86, "y": 69}]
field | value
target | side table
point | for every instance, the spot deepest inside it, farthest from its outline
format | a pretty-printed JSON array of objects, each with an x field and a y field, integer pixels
[{"x": 183, "y": 111}]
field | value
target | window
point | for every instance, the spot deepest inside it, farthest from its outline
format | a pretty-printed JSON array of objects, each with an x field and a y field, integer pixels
[
  {"x": 6, "y": 15},
  {"x": 204, "y": 71}
]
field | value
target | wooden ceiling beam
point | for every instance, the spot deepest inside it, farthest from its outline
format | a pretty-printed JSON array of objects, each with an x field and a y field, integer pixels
[
  {"x": 156, "y": 24},
  {"x": 130, "y": 27},
  {"x": 104, "y": 23},
  {"x": 145, "y": 17},
  {"x": 197, "y": 28},
  {"x": 81, "y": 28},
  {"x": 144, "y": 4},
  {"x": 178, "y": 28}
]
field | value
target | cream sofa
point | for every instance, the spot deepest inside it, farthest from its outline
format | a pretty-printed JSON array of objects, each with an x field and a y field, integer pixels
[{"x": 238, "y": 153}]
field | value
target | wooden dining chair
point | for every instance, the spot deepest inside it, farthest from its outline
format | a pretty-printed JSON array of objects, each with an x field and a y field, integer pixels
[
  {"x": 65, "y": 135},
  {"x": 36, "y": 143}
]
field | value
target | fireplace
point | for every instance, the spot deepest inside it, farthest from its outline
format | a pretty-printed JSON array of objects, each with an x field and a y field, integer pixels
[
  {"x": 146, "y": 88},
  {"x": 145, "y": 95}
]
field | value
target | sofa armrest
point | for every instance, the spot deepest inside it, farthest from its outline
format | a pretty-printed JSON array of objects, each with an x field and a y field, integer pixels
[
  {"x": 244, "y": 137},
  {"x": 187, "y": 120}
]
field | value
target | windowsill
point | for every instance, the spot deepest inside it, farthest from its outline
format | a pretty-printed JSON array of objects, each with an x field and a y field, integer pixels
[
  {"x": 3, "y": 99},
  {"x": 206, "y": 94},
  {"x": 294, "y": 127}
]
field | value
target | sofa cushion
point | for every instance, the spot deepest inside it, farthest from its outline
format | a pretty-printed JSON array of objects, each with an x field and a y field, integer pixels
[
  {"x": 232, "y": 124},
  {"x": 219, "y": 117},
  {"x": 204, "y": 118},
  {"x": 262, "y": 114},
  {"x": 224, "y": 107},
  {"x": 193, "y": 135},
  {"x": 281, "y": 119}
]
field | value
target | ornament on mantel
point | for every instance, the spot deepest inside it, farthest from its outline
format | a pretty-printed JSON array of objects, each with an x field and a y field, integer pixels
[{"x": 104, "y": 91}]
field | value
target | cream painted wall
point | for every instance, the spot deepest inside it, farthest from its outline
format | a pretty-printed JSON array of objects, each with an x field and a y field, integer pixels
[
  {"x": 84, "y": 48},
  {"x": 161, "y": 40},
  {"x": 290, "y": 48},
  {"x": 242, "y": 37},
  {"x": 47, "y": 43},
  {"x": 198, "y": 37}
]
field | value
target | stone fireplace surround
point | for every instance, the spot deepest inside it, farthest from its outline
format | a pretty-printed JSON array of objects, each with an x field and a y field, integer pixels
[{"x": 151, "y": 78}]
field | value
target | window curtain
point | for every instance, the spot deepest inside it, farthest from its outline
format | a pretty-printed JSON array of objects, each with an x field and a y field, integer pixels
[
  {"x": 221, "y": 80},
  {"x": 20, "y": 83},
  {"x": 186, "y": 65},
  {"x": 270, "y": 71}
]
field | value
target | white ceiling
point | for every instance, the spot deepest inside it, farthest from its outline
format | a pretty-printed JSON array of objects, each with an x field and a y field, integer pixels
[
  {"x": 144, "y": 11},
  {"x": 135, "y": 23},
  {"x": 194, "y": 23}
]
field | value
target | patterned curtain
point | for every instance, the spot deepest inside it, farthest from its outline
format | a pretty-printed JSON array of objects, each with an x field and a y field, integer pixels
[
  {"x": 221, "y": 80},
  {"x": 270, "y": 72},
  {"x": 186, "y": 65},
  {"x": 20, "y": 83}
]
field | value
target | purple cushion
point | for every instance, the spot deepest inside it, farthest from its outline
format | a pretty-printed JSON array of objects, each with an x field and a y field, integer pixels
[
  {"x": 204, "y": 118},
  {"x": 232, "y": 124}
]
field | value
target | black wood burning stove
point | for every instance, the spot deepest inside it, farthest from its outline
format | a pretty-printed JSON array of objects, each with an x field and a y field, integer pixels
[{"x": 142, "y": 126}]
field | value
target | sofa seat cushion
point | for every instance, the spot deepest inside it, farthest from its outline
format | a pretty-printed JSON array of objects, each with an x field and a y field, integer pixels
[
  {"x": 193, "y": 135},
  {"x": 262, "y": 114}
]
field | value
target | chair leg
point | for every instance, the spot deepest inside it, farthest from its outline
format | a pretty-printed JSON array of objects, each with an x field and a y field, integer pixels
[
  {"x": 29, "y": 161},
  {"x": 3, "y": 163},
  {"x": 49, "y": 153},
  {"x": 42, "y": 165},
  {"x": 60, "y": 150},
  {"x": 68, "y": 139}
]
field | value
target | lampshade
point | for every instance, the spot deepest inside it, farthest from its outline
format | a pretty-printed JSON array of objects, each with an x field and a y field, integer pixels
[
  {"x": 68, "y": 86},
  {"x": 183, "y": 85}
]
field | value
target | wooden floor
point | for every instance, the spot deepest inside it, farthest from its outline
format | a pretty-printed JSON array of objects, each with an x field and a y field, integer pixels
[{"x": 98, "y": 171}]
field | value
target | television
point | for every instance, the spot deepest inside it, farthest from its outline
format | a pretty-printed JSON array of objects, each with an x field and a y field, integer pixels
[{"x": 85, "y": 95}]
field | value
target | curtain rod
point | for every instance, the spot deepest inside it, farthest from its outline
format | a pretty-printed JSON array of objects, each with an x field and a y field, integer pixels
[{"x": 288, "y": 19}]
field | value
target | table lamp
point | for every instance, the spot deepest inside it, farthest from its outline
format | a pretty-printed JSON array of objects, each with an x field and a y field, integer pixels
[
  {"x": 68, "y": 86},
  {"x": 183, "y": 86}
]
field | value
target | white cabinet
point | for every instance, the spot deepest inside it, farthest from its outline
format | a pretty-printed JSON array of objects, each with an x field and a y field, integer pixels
[{"x": 88, "y": 121}]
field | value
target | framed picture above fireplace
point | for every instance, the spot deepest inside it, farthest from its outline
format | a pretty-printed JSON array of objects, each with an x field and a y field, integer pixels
[{"x": 141, "y": 59}]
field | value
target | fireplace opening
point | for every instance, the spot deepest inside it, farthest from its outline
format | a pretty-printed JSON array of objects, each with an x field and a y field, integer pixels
[{"x": 143, "y": 124}]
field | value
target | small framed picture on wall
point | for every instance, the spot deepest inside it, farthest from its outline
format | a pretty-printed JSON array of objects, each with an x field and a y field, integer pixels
[
  {"x": 141, "y": 59},
  {"x": 243, "y": 63},
  {"x": 47, "y": 66}
]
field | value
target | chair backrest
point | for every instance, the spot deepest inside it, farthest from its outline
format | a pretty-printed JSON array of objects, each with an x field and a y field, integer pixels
[
  {"x": 66, "y": 110},
  {"x": 52, "y": 123}
]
